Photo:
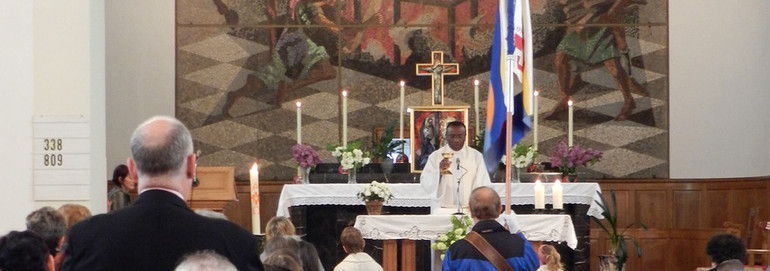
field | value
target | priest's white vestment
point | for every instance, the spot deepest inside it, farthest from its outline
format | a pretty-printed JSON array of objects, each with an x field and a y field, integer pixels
[{"x": 442, "y": 188}]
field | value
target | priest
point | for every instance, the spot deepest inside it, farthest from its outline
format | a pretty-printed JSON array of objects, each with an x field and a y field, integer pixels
[{"x": 466, "y": 166}]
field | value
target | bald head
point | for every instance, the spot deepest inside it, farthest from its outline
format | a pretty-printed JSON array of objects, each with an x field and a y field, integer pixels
[
  {"x": 159, "y": 146},
  {"x": 484, "y": 203}
]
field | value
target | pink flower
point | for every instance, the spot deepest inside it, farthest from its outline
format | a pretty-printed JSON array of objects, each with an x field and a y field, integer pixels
[
  {"x": 568, "y": 159},
  {"x": 305, "y": 155}
]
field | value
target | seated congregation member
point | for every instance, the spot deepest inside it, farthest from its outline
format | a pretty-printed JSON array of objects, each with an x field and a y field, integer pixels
[
  {"x": 50, "y": 225},
  {"x": 550, "y": 259},
  {"x": 122, "y": 184},
  {"x": 205, "y": 261},
  {"x": 727, "y": 252},
  {"x": 277, "y": 226},
  {"x": 512, "y": 248},
  {"x": 24, "y": 251},
  {"x": 357, "y": 260},
  {"x": 282, "y": 260},
  {"x": 73, "y": 213},
  {"x": 158, "y": 228},
  {"x": 306, "y": 253},
  {"x": 466, "y": 163}
]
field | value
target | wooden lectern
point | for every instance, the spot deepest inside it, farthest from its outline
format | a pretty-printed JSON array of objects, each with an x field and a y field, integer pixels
[{"x": 216, "y": 189}]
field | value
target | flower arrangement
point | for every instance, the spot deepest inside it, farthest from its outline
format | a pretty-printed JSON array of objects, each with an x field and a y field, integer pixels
[
  {"x": 569, "y": 158},
  {"x": 523, "y": 155},
  {"x": 376, "y": 191},
  {"x": 460, "y": 227},
  {"x": 305, "y": 155},
  {"x": 350, "y": 157}
]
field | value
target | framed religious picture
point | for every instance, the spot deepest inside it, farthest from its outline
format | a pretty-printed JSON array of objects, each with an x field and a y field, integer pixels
[{"x": 427, "y": 130}]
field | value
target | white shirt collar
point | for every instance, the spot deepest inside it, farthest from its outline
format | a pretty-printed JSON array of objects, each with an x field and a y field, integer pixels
[{"x": 164, "y": 189}]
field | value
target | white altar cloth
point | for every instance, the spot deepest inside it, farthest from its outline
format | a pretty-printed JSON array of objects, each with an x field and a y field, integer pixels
[
  {"x": 551, "y": 228},
  {"x": 412, "y": 195}
]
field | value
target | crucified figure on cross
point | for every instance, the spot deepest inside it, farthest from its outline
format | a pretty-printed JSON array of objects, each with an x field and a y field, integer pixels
[{"x": 437, "y": 69}]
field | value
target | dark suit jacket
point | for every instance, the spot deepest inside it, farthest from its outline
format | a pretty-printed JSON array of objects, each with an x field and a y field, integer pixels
[{"x": 153, "y": 234}]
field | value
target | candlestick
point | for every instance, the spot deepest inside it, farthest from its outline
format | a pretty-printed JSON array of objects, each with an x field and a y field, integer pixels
[
  {"x": 476, "y": 103},
  {"x": 558, "y": 195},
  {"x": 569, "y": 123},
  {"x": 299, "y": 122},
  {"x": 255, "y": 215},
  {"x": 539, "y": 195},
  {"x": 401, "y": 117},
  {"x": 344, "y": 118},
  {"x": 534, "y": 125}
]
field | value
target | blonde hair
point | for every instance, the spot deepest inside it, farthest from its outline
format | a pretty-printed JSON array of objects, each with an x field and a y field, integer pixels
[
  {"x": 277, "y": 226},
  {"x": 550, "y": 257}
]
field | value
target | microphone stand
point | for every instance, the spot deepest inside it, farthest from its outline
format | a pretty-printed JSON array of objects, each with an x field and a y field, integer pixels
[{"x": 457, "y": 196}]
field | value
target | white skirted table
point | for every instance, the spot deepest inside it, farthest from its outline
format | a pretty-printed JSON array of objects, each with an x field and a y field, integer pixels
[
  {"x": 389, "y": 228},
  {"x": 412, "y": 195}
]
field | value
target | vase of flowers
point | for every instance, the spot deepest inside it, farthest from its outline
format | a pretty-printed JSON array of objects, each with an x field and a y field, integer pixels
[
  {"x": 351, "y": 158},
  {"x": 306, "y": 158},
  {"x": 374, "y": 195},
  {"x": 521, "y": 156},
  {"x": 567, "y": 159},
  {"x": 461, "y": 225}
]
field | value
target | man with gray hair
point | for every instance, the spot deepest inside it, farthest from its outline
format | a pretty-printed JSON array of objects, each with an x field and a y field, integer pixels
[
  {"x": 159, "y": 228},
  {"x": 49, "y": 224}
]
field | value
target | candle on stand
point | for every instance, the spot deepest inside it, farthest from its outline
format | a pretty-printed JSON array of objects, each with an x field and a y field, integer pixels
[
  {"x": 476, "y": 103},
  {"x": 569, "y": 123},
  {"x": 344, "y": 118},
  {"x": 299, "y": 122},
  {"x": 558, "y": 195},
  {"x": 534, "y": 126},
  {"x": 401, "y": 116},
  {"x": 539, "y": 195},
  {"x": 255, "y": 215}
]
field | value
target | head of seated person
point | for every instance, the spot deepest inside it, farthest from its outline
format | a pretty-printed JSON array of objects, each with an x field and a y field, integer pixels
[
  {"x": 282, "y": 260},
  {"x": 205, "y": 261},
  {"x": 726, "y": 250},
  {"x": 50, "y": 224},
  {"x": 279, "y": 225},
  {"x": 24, "y": 251}
]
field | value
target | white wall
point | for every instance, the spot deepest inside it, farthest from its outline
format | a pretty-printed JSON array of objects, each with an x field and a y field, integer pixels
[
  {"x": 16, "y": 19},
  {"x": 140, "y": 69},
  {"x": 720, "y": 88},
  {"x": 53, "y": 66}
]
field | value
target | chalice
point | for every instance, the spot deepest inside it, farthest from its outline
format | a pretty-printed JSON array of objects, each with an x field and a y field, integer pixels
[{"x": 446, "y": 156}]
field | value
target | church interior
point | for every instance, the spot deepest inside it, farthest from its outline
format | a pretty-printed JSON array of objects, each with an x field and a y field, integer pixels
[{"x": 677, "y": 116}]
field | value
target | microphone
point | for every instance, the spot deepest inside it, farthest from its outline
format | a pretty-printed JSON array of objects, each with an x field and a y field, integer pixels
[{"x": 458, "y": 163}]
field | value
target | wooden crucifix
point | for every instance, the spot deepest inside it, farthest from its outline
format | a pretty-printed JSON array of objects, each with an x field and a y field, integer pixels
[{"x": 437, "y": 69}]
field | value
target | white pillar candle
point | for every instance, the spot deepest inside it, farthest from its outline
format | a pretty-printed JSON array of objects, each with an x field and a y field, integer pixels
[
  {"x": 558, "y": 195},
  {"x": 344, "y": 118},
  {"x": 299, "y": 122},
  {"x": 401, "y": 115},
  {"x": 569, "y": 123},
  {"x": 539, "y": 195},
  {"x": 476, "y": 103},
  {"x": 255, "y": 215},
  {"x": 534, "y": 125}
]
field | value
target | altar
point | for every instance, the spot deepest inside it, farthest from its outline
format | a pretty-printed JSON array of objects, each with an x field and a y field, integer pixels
[{"x": 321, "y": 211}]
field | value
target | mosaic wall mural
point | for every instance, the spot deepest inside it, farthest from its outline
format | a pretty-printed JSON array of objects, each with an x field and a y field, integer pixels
[{"x": 242, "y": 64}]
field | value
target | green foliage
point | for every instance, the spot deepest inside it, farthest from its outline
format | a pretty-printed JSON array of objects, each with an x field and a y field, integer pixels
[
  {"x": 479, "y": 146},
  {"x": 385, "y": 146},
  {"x": 609, "y": 225},
  {"x": 460, "y": 227}
]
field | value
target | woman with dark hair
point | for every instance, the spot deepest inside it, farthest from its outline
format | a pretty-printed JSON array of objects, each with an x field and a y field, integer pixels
[{"x": 122, "y": 184}]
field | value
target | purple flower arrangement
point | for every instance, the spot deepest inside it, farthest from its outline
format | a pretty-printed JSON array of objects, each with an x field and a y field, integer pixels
[
  {"x": 305, "y": 155},
  {"x": 568, "y": 159}
]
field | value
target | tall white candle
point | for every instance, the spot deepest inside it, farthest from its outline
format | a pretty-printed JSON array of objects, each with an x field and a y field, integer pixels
[
  {"x": 299, "y": 122},
  {"x": 401, "y": 115},
  {"x": 558, "y": 195},
  {"x": 255, "y": 215},
  {"x": 344, "y": 118},
  {"x": 569, "y": 123},
  {"x": 476, "y": 103},
  {"x": 534, "y": 125},
  {"x": 539, "y": 195}
]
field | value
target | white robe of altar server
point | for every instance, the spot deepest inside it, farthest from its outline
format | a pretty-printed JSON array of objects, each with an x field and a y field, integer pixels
[{"x": 442, "y": 189}]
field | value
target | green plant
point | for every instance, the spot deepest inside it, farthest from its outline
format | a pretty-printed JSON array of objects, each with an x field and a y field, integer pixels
[
  {"x": 618, "y": 246},
  {"x": 385, "y": 146},
  {"x": 460, "y": 227}
]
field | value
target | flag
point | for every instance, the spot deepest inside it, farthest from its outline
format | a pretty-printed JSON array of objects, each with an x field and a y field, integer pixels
[{"x": 512, "y": 37}]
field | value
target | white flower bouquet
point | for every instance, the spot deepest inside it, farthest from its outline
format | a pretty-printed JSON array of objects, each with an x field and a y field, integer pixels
[
  {"x": 460, "y": 227},
  {"x": 523, "y": 155},
  {"x": 376, "y": 191},
  {"x": 350, "y": 157}
]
